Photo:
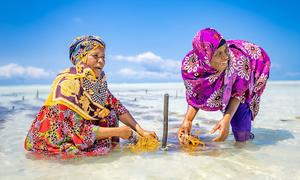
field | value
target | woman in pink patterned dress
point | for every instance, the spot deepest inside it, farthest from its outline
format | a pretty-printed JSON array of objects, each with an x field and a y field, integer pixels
[{"x": 226, "y": 75}]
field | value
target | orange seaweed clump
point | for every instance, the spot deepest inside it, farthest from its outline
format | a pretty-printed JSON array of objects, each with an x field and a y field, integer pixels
[
  {"x": 194, "y": 141},
  {"x": 193, "y": 145},
  {"x": 145, "y": 144}
]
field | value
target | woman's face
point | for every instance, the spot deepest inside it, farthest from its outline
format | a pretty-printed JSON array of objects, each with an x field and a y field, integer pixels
[
  {"x": 96, "y": 60},
  {"x": 220, "y": 58}
]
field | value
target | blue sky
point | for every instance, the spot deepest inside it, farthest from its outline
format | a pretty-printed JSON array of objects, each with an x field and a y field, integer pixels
[{"x": 146, "y": 39}]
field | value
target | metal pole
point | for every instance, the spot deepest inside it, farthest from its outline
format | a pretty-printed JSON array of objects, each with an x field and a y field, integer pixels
[
  {"x": 165, "y": 128},
  {"x": 37, "y": 94}
]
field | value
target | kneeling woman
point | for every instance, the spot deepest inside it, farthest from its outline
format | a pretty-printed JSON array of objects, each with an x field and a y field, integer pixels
[
  {"x": 81, "y": 115},
  {"x": 224, "y": 75}
]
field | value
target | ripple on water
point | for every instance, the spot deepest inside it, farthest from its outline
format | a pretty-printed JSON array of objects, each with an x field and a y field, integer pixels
[{"x": 272, "y": 154}]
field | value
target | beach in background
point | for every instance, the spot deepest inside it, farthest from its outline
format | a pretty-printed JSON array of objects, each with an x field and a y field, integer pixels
[{"x": 274, "y": 153}]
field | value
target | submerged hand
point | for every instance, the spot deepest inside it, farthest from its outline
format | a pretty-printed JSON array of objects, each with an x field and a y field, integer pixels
[
  {"x": 184, "y": 131},
  {"x": 223, "y": 127}
]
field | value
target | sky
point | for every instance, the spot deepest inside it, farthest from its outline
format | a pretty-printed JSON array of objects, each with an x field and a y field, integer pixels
[{"x": 146, "y": 39}]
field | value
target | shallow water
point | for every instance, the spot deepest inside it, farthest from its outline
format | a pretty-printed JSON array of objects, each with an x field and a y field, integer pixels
[{"x": 273, "y": 154}]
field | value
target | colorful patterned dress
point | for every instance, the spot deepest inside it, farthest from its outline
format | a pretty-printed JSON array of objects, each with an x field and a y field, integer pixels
[
  {"x": 59, "y": 129},
  {"x": 60, "y": 126},
  {"x": 245, "y": 78}
]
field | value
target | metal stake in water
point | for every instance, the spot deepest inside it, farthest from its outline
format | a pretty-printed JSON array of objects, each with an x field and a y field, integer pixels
[
  {"x": 37, "y": 94},
  {"x": 165, "y": 128}
]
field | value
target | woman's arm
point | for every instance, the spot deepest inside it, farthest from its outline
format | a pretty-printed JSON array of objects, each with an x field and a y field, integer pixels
[
  {"x": 186, "y": 125},
  {"x": 190, "y": 113},
  {"x": 122, "y": 113},
  {"x": 106, "y": 132},
  {"x": 223, "y": 124},
  {"x": 128, "y": 120},
  {"x": 232, "y": 107},
  {"x": 124, "y": 116}
]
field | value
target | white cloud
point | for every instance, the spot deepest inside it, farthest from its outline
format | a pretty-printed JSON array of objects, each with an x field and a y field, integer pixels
[
  {"x": 15, "y": 70},
  {"x": 146, "y": 57},
  {"x": 148, "y": 74},
  {"x": 127, "y": 72},
  {"x": 170, "y": 64},
  {"x": 153, "y": 66}
]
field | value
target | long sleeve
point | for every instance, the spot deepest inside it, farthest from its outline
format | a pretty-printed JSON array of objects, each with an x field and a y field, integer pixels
[{"x": 115, "y": 104}]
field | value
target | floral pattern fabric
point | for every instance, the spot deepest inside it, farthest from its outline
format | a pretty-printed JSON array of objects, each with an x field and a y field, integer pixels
[
  {"x": 59, "y": 130},
  {"x": 244, "y": 78}
]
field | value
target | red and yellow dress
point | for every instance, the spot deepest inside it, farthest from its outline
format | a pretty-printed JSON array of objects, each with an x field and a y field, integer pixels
[{"x": 77, "y": 106}]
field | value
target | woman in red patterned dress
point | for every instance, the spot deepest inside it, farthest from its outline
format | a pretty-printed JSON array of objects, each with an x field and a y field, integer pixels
[{"x": 80, "y": 116}]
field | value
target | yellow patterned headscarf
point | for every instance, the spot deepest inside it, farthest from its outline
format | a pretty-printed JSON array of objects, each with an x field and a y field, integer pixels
[{"x": 77, "y": 87}]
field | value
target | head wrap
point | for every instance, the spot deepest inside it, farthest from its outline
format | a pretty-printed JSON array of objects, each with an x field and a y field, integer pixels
[
  {"x": 205, "y": 43},
  {"x": 82, "y": 45}
]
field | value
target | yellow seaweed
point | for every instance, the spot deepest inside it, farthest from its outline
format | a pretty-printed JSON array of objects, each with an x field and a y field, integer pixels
[
  {"x": 145, "y": 144},
  {"x": 194, "y": 141}
]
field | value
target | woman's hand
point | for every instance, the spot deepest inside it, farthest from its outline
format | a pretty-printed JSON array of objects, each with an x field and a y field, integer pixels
[
  {"x": 223, "y": 124},
  {"x": 184, "y": 131},
  {"x": 125, "y": 132},
  {"x": 223, "y": 127},
  {"x": 128, "y": 120},
  {"x": 146, "y": 133},
  {"x": 186, "y": 126}
]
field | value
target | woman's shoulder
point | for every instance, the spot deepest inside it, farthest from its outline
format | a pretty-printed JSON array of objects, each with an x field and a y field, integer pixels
[
  {"x": 71, "y": 74},
  {"x": 245, "y": 48},
  {"x": 239, "y": 43},
  {"x": 243, "y": 45},
  {"x": 67, "y": 79},
  {"x": 69, "y": 70}
]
